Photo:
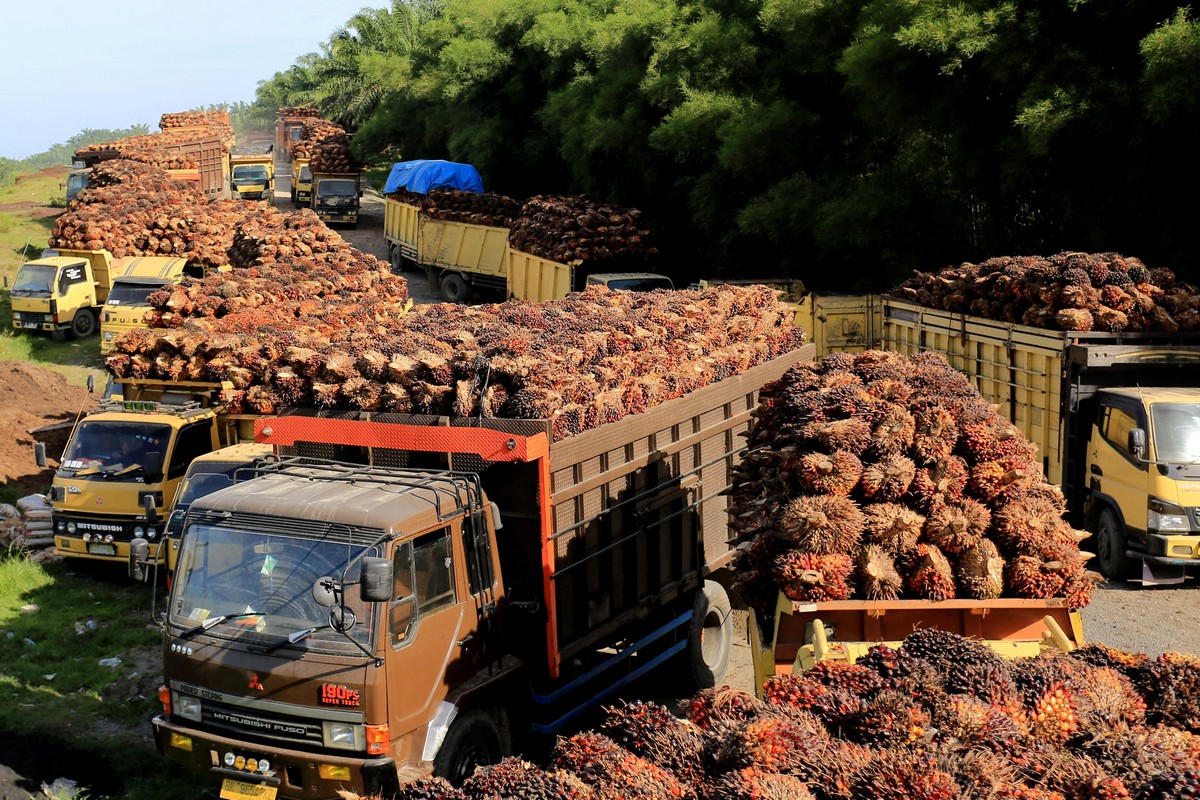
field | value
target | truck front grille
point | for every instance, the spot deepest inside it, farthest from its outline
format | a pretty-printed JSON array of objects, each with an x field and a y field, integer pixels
[{"x": 262, "y": 725}]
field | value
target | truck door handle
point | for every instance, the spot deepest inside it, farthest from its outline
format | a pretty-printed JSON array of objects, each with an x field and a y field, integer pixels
[
  {"x": 463, "y": 642},
  {"x": 1096, "y": 470}
]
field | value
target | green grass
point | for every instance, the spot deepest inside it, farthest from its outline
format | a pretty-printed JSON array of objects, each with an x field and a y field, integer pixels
[
  {"x": 56, "y": 688},
  {"x": 23, "y": 235}
]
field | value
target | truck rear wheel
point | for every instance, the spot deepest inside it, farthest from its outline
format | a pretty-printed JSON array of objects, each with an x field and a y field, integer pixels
[
  {"x": 454, "y": 288},
  {"x": 1110, "y": 545},
  {"x": 710, "y": 637},
  {"x": 83, "y": 324},
  {"x": 472, "y": 741}
]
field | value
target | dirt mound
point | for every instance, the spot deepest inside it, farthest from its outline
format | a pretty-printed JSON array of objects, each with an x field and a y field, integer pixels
[{"x": 34, "y": 398}]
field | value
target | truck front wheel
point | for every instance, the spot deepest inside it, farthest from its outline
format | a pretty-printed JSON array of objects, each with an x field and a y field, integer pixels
[
  {"x": 454, "y": 288},
  {"x": 710, "y": 637},
  {"x": 83, "y": 324},
  {"x": 472, "y": 741},
  {"x": 1110, "y": 545}
]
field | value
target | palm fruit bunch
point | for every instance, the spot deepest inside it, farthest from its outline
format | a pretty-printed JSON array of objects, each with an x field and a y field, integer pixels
[
  {"x": 573, "y": 229},
  {"x": 940, "y": 717},
  {"x": 879, "y": 476},
  {"x": 331, "y": 330},
  {"x": 1066, "y": 291}
]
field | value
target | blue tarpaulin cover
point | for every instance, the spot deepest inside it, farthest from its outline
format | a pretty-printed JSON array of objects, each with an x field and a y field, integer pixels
[{"x": 423, "y": 175}]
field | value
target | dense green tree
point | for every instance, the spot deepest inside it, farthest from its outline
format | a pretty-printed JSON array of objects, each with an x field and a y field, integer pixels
[{"x": 841, "y": 143}]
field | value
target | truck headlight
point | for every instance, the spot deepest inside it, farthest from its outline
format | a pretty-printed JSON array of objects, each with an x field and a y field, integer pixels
[
  {"x": 1166, "y": 517},
  {"x": 186, "y": 706},
  {"x": 138, "y": 530},
  {"x": 342, "y": 735},
  {"x": 70, "y": 527}
]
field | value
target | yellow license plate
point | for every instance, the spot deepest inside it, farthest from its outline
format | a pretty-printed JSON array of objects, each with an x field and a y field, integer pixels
[{"x": 241, "y": 790}]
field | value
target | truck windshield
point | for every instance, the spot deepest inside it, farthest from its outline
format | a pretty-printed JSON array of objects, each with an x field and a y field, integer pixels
[
  {"x": 337, "y": 193},
  {"x": 131, "y": 293},
  {"x": 102, "y": 447},
  {"x": 225, "y": 571},
  {"x": 34, "y": 279},
  {"x": 76, "y": 182},
  {"x": 305, "y": 175},
  {"x": 250, "y": 174},
  {"x": 640, "y": 284},
  {"x": 1176, "y": 432}
]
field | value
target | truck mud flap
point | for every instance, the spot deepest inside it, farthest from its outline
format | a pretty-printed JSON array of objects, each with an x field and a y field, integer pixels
[{"x": 1160, "y": 570}]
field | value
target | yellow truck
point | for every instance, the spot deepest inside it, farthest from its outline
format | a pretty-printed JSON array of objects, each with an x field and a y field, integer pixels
[
  {"x": 123, "y": 463},
  {"x": 62, "y": 294},
  {"x": 1116, "y": 416},
  {"x": 252, "y": 172},
  {"x": 302, "y": 183},
  {"x": 206, "y": 474},
  {"x": 134, "y": 279}
]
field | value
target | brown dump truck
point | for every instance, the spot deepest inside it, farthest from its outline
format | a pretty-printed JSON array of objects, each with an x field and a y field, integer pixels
[{"x": 402, "y": 594}]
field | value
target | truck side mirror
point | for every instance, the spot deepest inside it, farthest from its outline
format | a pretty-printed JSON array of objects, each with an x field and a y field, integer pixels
[
  {"x": 139, "y": 556},
  {"x": 39, "y": 454},
  {"x": 497, "y": 522},
  {"x": 154, "y": 465},
  {"x": 1137, "y": 443},
  {"x": 375, "y": 584},
  {"x": 149, "y": 508},
  {"x": 91, "y": 384}
]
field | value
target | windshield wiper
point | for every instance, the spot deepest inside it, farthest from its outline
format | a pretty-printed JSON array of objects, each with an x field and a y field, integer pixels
[
  {"x": 213, "y": 622},
  {"x": 292, "y": 638}
]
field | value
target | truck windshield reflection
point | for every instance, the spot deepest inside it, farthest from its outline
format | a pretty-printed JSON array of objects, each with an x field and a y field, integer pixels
[{"x": 226, "y": 572}]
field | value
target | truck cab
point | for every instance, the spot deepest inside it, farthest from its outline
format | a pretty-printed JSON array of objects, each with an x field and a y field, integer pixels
[
  {"x": 1143, "y": 468},
  {"x": 335, "y": 197},
  {"x": 127, "y": 458},
  {"x": 252, "y": 175},
  {"x": 128, "y": 305},
  {"x": 306, "y": 657},
  {"x": 77, "y": 181},
  {"x": 206, "y": 474},
  {"x": 630, "y": 281},
  {"x": 302, "y": 182},
  {"x": 61, "y": 294}
]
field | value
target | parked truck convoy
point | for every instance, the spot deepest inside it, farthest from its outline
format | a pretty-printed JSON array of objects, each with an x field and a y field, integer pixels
[
  {"x": 461, "y": 257},
  {"x": 252, "y": 172},
  {"x": 123, "y": 463},
  {"x": 336, "y": 197},
  {"x": 337, "y": 626}
]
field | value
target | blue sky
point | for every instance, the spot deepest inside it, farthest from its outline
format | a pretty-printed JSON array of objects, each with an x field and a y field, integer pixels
[{"x": 67, "y": 65}]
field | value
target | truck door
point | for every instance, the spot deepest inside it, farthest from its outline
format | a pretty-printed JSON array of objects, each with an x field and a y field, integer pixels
[
  {"x": 1114, "y": 473},
  {"x": 75, "y": 287},
  {"x": 426, "y": 621}
]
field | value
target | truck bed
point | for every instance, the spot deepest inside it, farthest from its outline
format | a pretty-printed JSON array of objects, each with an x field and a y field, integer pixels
[
  {"x": 637, "y": 515},
  {"x": 445, "y": 244}
]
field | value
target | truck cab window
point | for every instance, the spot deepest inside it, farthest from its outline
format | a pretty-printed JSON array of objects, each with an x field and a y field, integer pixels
[
  {"x": 423, "y": 582},
  {"x": 192, "y": 441},
  {"x": 1117, "y": 423}
]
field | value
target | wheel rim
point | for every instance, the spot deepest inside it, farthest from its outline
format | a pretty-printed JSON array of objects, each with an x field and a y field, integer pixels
[
  {"x": 473, "y": 754},
  {"x": 83, "y": 325}
]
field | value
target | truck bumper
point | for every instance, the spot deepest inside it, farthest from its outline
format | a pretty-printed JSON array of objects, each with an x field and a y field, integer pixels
[
  {"x": 34, "y": 325},
  {"x": 116, "y": 552},
  {"x": 295, "y": 773},
  {"x": 1177, "y": 549}
]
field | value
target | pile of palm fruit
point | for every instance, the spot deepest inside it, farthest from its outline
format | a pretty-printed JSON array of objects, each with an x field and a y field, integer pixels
[
  {"x": 326, "y": 145},
  {"x": 193, "y": 119},
  {"x": 941, "y": 717},
  {"x": 476, "y": 208},
  {"x": 574, "y": 230},
  {"x": 879, "y": 476},
  {"x": 323, "y": 336},
  {"x": 1067, "y": 291}
]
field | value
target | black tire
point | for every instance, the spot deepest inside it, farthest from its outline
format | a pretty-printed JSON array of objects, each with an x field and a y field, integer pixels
[
  {"x": 396, "y": 259},
  {"x": 454, "y": 288},
  {"x": 472, "y": 741},
  {"x": 710, "y": 636},
  {"x": 1110, "y": 546},
  {"x": 83, "y": 325}
]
